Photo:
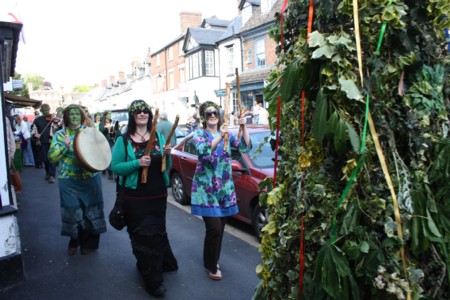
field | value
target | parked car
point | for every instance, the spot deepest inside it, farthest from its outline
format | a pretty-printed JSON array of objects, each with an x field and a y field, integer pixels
[{"x": 248, "y": 170}]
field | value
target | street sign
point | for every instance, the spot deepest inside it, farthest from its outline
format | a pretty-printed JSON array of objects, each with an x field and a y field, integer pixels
[{"x": 220, "y": 93}]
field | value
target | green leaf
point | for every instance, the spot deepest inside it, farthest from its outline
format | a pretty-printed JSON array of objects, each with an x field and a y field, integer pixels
[
  {"x": 432, "y": 226},
  {"x": 350, "y": 89},
  {"x": 364, "y": 247},
  {"x": 340, "y": 137},
  {"x": 354, "y": 137},
  {"x": 327, "y": 51},
  {"x": 316, "y": 39},
  {"x": 319, "y": 124},
  {"x": 291, "y": 77}
]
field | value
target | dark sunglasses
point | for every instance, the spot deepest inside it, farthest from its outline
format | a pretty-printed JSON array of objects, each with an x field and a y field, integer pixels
[
  {"x": 145, "y": 111},
  {"x": 210, "y": 113}
]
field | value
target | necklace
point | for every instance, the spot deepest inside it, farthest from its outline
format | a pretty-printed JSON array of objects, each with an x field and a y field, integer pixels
[{"x": 142, "y": 136}]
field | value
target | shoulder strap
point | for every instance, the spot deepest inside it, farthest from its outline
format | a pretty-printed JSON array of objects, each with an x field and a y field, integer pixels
[{"x": 125, "y": 143}]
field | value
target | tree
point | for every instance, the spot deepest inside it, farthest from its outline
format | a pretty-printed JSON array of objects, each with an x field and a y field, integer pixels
[{"x": 371, "y": 230}]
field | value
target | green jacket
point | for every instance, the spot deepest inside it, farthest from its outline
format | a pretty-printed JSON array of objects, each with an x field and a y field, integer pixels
[{"x": 129, "y": 167}]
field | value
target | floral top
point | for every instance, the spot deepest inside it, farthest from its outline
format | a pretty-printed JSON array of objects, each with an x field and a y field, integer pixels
[
  {"x": 213, "y": 193},
  {"x": 69, "y": 167}
]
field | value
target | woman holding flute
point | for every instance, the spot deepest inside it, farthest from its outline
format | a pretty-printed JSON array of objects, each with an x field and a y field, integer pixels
[
  {"x": 145, "y": 203},
  {"x": 213, "y": 195}
]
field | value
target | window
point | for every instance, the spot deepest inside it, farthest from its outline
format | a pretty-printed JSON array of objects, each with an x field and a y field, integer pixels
[
  {"x": 209, "y": 63},
  {"x": 260, "y": 53},
  {"x": 230, "y": 59},
  {"x": 158, "y": 60},
  {"x": 195, "y": 65},
  {"x": 171, "y": 80},
  {"x": 182, "y": 80},
  {"x": 249, "y": 56},
  {"x": 170, "y": 53}
]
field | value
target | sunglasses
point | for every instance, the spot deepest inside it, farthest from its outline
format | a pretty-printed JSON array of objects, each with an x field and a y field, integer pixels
[
  {"x": 145, "y": 111},
  {"x": 210, "y": 113}
]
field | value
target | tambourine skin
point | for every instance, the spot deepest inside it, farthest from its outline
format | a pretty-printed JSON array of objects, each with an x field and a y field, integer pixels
[{"x": 92, "y": 149}]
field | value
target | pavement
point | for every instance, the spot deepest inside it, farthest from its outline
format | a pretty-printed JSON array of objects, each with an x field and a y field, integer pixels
[{"x": 110, "y": 272}]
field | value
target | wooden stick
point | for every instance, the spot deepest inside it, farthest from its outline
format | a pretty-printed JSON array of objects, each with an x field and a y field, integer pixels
[
  {"x": 169, "y": 137},
  {"x": 227, "y": 99},
  {"x": 150, "y": 144},
  {"x": 241, "y": 109}
]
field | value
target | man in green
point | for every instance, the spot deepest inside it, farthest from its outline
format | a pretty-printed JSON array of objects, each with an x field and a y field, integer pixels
[{"x": 164, "y": 126}]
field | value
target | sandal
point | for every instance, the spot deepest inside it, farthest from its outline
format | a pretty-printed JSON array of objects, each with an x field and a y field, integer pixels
[{"x": 215, "y": 276}]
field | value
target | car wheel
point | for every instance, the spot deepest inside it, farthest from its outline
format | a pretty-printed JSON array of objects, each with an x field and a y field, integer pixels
[
  {"x": 178, "y": 190},
  {"x": 259, "y": 219}
]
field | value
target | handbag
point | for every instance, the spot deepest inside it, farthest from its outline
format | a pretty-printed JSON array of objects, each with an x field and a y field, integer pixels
[
  {"x": 15, "y": 179},
  {"x": 117, "y": 215}
]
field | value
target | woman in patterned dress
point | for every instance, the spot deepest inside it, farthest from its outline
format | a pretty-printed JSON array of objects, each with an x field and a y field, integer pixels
[
  {"x": 213, "y": 195},
  {"x": 80, "y": 191},
  {"x": 145, "y": 204}
]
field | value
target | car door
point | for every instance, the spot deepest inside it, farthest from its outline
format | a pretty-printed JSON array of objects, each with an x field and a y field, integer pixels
[{"x": 188, "y": 163}]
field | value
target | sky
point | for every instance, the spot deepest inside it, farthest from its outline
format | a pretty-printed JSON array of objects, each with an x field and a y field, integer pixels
[{"x": 83, "y": 42}]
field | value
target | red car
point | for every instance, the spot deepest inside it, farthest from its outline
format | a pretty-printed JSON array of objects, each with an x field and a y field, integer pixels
[{"x": 248, "y": 170}]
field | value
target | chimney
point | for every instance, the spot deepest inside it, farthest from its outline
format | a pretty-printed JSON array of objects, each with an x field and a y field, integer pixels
[
  {"x": 121, "y": 75},
  {"x": 189, "y": 19},
  {"x": 104, "y": 83},
  {"x": 112, "y": 79}
]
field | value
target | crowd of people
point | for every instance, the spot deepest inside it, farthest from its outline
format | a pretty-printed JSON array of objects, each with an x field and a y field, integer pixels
[{"x": 49, "y": 143}]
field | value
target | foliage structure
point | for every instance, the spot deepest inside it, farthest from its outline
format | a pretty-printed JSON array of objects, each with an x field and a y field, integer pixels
[{"x": 331, "y": 177}]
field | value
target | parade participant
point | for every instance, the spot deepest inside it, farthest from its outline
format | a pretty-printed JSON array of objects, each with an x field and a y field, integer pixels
[
  {"x": 42, "y": 132},
  {"x": 22, "y": 128},
  {"x": 256, "y": 112},
  {"x": 10, "y": 140},
  {"x": 164, "y": 127},
  {"x": 97, "y": 120},
  {"x": 80, "y": 191},
  {"x": 213, "y": 195},
  {"x": 106, "y": 127},
  {"x": 145, "y": 204},
  {"x": 263, "y": 115}
]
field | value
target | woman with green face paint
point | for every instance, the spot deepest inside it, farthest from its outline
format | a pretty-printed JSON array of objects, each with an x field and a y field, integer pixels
[{"x": 80, "y": 190}]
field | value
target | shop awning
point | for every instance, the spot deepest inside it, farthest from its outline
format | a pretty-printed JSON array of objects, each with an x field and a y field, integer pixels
[{"x": 20, "y": 101}]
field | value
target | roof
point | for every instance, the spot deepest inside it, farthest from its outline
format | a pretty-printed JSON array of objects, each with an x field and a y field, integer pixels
[
  {"x": 20, "y": 101},
  {"x": 215, "y": 22},
  {"x": 252, "y": 2},
  {"x": 205, "y": 36},
  {"x": 258, "y": 19},
  {"x": 232, "y": 29},
  {"x": 253, "y": 75}
]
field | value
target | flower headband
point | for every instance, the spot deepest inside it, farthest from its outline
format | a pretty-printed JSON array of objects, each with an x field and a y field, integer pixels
[{"x": 139, "y": 105}]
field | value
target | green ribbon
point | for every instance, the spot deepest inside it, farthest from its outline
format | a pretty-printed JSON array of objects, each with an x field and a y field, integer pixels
[{"x": 355, "y": 171}]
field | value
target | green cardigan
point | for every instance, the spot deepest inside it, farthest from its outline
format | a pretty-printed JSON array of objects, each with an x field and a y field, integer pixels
[{"x": 129, "y": 167}]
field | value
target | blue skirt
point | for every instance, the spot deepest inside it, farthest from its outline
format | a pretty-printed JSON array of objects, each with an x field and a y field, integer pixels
[{"x": 81, "y": 206}]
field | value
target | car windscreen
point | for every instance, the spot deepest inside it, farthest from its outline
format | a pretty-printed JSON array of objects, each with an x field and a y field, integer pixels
[
  {"x": 119, "y": 116},
  {"x": 261, "y": 154}
]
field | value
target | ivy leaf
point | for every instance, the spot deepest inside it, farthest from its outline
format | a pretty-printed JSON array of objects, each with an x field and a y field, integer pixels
[
  {"x": 364, "y": 247},
  {"x": 350, "y": 89},
  {"x": 319, "y": 124},
  {"x": 327, "y": 51},
  {"x": 316, "y": 39},
  {"x": 432, "y": 226}
]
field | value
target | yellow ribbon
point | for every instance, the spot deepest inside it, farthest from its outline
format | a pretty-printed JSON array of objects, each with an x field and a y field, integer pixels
[{"x": 378, "y": 146}]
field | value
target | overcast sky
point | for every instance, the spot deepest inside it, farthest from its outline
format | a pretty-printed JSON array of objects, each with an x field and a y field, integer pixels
[{"x": 85, "y": 41}]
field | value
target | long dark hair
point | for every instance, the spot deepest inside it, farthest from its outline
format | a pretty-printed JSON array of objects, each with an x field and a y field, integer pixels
[{"x": 131, "y": 128}]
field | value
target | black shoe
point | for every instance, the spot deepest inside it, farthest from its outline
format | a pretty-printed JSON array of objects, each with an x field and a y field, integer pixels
[{"x": 159, "y": 292}]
